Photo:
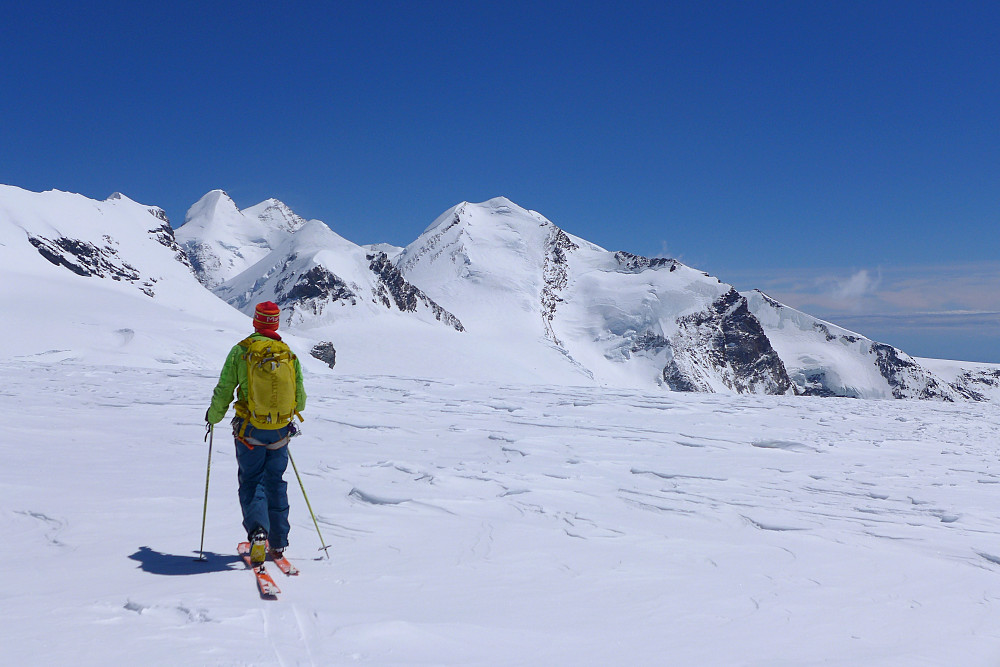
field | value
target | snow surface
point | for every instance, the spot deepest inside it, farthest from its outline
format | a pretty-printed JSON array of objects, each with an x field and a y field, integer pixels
[
  {"x": 480, "y": 506},
  {"x": 518, "y": 524}
]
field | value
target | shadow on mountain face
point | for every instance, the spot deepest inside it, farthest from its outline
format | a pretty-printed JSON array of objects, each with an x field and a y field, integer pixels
[{"x": 155, "y": 562}]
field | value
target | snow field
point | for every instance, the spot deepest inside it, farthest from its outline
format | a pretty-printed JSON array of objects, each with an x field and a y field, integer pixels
[{"x": 514, "y": 524}]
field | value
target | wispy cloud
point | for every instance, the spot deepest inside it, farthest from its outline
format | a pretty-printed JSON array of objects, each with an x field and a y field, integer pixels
[
  {"x": 884, "y": 291},
  {"x": 853, "y": 291}
]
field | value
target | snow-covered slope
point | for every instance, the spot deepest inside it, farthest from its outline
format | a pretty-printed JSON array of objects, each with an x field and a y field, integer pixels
[
  {"x": 489, "y": 524},
  {"x": 318, "y": 278},
  {"x": 221, "y": 240},
  {"x": 826, "y": 360},
  {"x": 548, "y": 306},
  {"x": 104, "y": 282},
  {"x": 967, "y": 376},
  {"x": 619, "y": 318},
  {"x": 489, "y": 291}
]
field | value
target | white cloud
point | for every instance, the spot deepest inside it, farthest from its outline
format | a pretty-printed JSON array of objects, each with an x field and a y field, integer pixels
[{"x": 853, "y": 290}]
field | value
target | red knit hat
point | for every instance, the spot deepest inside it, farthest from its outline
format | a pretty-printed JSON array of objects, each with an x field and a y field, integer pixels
[{"x": 266, "y": 316}]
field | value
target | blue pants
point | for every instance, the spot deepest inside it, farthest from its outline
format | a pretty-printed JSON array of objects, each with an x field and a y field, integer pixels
[{"x": 263, "y": 492}]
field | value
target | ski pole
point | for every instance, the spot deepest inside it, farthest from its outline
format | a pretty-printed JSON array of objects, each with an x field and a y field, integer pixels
[
  {"x": 209, "y": 433},
  {"x": 325, "y": 546}
]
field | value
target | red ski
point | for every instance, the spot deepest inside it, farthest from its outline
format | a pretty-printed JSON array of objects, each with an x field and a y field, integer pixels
[
  {"x": 283, "y": 564},
  {"x": 268, "y": 589}
]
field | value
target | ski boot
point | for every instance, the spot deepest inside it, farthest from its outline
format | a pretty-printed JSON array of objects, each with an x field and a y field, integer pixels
[{"x": 258, "y": 547}]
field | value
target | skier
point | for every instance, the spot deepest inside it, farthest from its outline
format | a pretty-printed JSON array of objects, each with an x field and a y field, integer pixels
[{"x": 262, "y": 426}]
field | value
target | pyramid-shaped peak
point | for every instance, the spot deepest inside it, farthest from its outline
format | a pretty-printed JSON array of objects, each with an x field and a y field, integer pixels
[
  {"x": 275, "y": 213},
  {"x": 212, "y": 203},
  {"x": 269, "y": 203},
  {"x": 213, "y": 197}
]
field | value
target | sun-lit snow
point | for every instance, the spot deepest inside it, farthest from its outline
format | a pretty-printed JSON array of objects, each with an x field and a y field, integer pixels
[
  {"x": 476, "y": 523},
  {"x": 483, "y": 505},
  {"x": 223, "y": 241}
]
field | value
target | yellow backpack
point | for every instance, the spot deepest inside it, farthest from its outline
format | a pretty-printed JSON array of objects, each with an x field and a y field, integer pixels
[{"x": 271, "y": 385}]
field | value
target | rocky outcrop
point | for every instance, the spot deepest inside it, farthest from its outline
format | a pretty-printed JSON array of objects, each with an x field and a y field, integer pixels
[
  {"x": 555, "y": 275},
  {"x": 391, "y": 288},
  {"x": 325, "y": 352},
  {"x": 629, "y": 263},
  {"x": 88, "y": 260},
  {"x": 433, "y": 246},
  {"x": 164, "y": 235},
  {"x": 979, "y": 382},
  {"x": 204, "y": 262},
  {"x": 314, "y": 290},
  {"x": 725, "y": 341},
  {"x": 908, "y": 379}
]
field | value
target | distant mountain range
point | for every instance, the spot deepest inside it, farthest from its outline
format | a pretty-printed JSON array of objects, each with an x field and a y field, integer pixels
[{"x": 487, "y": 291}]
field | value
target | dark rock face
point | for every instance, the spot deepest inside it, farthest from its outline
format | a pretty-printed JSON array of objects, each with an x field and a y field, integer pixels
[
  {"x": 727, "y": 339},
  {"x": 325, "y": 352},
  {"x": 769, "y": 301},
  {"x": 649, "y": 342},
  {"x": 677, "y": 380},
  {"x": 88, "y": 260},
  {"x": 391, "y": 288},
  {"x": 817, "y": 384},
  {"x": 830, "y": 336},
  {"x": 907, "y": 379},
  {"x": 164, "y": 235},
  {"x": 825, "y": 330},
  {"x": 555, "y": 274},
  {"x": 976, "y": 381},
  {"x": 629, "y": 263},
  {"x": 313, "y": 290}
]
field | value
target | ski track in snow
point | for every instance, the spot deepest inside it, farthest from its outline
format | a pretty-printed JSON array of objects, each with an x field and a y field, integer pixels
[{"x": 473, "y": 524}]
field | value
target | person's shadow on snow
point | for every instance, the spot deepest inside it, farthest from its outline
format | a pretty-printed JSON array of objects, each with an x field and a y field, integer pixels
[{"x": 173, "y": 565}]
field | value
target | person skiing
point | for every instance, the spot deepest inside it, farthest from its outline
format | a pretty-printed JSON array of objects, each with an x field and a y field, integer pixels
[{"x": 267, "y": 378}]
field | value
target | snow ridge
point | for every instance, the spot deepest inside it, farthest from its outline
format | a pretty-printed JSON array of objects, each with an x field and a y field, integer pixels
[
  {"x": 222, "y": 241},
  {"x": 318, "y": 278},
  {"x": 824, "y": 359},
  {"x": 489, "y": 290}
]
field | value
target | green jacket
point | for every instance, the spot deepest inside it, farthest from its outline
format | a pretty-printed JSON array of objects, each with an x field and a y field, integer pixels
[{"x": 234, "y": 377}]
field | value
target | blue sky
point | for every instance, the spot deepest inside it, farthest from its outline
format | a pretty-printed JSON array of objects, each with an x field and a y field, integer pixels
[{"x": 844, "y": 157}]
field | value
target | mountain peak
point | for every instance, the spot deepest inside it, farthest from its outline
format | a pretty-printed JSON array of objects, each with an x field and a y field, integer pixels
[
  {"x": 276, "y": 214},
  {"x": 210, "y": 205},
  {"x": 501, "y": 204},
  {"x": 222, "y": 240}
]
